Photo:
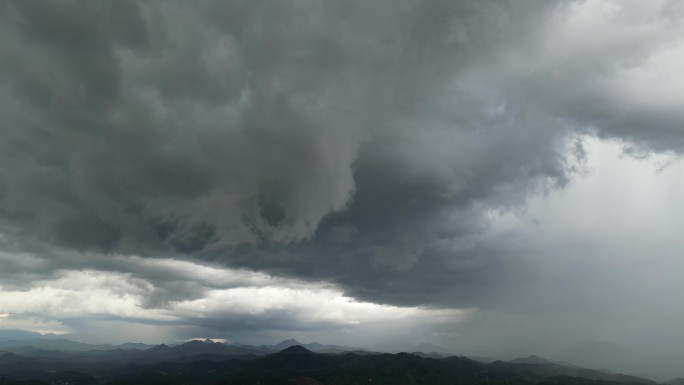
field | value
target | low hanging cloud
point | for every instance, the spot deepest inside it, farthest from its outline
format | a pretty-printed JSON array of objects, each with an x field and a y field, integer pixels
[
  {"x": 208, "y": 300},
  {"x": 165, "y": 126}
]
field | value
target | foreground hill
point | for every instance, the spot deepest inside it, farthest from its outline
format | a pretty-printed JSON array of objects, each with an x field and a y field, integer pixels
[
  {"x": 200, "y": 363},
  {"x": 298, "y": 365}
]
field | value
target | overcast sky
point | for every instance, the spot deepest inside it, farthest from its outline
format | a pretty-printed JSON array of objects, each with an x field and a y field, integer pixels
[{"x": 483, "y": 175}]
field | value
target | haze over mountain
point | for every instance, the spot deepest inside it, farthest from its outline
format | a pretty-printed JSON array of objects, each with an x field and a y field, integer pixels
[{"x": 492, "y": 178}]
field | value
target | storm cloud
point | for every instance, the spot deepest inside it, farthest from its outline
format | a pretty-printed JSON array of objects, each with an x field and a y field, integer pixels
[
  {"x": 166, "y": 128},
  {"x": 366, "y": 148}
]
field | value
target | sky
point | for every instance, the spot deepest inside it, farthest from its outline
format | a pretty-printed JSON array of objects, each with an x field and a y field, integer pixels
[{"x": 488, "y": 176}]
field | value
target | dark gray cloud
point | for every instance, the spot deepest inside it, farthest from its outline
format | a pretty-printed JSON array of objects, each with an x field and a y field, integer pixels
[
  {"x": 135, "y": 127},
  {"x": 364, "y": 144},
  {"x": 168, "y": 128}
]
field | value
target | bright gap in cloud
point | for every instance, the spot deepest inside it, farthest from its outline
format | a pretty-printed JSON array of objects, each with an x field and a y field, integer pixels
[
  {"x": 225, "y": 297},
  {"x": 617, "y": 193},
  {"x": 606, "y": 252}
]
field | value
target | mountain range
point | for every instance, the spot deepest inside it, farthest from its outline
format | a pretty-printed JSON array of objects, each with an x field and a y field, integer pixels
[{"x": 60, "y": 361}]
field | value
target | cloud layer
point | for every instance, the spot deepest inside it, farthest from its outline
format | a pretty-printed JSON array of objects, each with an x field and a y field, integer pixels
[
  {"x": 165, "y": 126},
  {"x": 359, "y": 154},
  {"x": 186, "y": 299}
]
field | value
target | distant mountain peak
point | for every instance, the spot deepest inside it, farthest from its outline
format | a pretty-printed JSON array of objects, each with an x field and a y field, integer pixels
[
  {"x": 533, "y": 359},
  {"x": 603, "y": 355},
  {"x": 675, "y": 381},
  {"x": 296, "y": 349},
  {"x": 288, "y": 343}
]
